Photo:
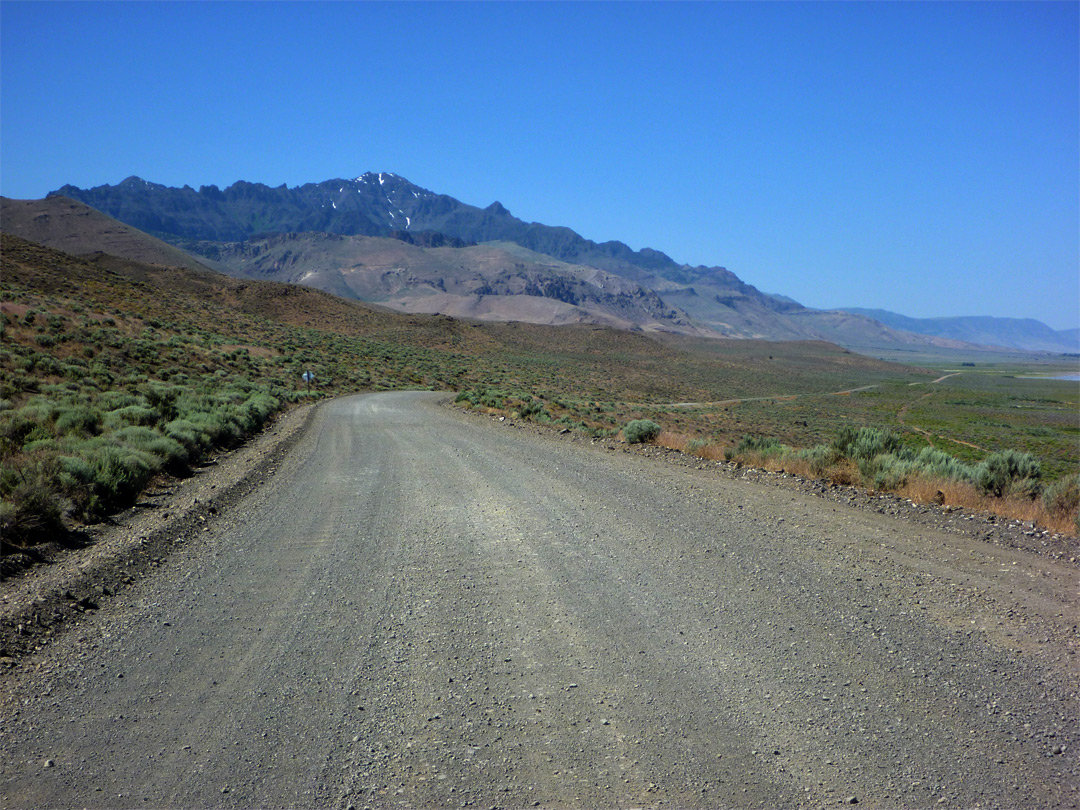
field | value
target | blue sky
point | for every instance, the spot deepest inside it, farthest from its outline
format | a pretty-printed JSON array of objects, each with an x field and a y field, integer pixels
[{"x": 918, "y": 157}]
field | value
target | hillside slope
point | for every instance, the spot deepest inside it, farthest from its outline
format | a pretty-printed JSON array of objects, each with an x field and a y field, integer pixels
[
  {"x": 488, "y": 282},
  {"x": 73, "y": 227},
  {"x": 1026, "y": 334},
  {"x": 394, "y": 349},
  {"x": 384, "y": 204}
]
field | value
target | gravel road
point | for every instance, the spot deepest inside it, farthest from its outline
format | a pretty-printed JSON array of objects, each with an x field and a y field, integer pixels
[{"x": 419, "y": 609}]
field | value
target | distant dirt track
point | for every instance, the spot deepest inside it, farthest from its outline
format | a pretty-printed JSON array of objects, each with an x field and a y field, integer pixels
[
  {"x": 901, "y": 417},
  {"x": 419, "y": 610},
  {"x": 776, "y": 397}
]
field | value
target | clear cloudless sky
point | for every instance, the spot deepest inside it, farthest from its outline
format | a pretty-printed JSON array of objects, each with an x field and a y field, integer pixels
[{"x": 917, "y": 157}]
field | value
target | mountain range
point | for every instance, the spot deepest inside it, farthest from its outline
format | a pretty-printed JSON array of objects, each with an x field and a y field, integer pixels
[
  {"x": 382, "y": 239},
  {"x": 491, "y": 281},
  {"x": 1015, "y": 333}
]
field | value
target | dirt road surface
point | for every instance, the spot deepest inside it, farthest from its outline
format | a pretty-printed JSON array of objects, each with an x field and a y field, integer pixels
[{"x": 422, "y": 610}]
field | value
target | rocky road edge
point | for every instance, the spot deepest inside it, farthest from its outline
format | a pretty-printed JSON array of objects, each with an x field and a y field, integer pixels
[
  {"x": 984, "y": 526},
  {"x": 63, "y": 583}
]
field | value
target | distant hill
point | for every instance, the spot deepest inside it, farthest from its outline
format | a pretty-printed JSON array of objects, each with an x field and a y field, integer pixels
[
  {"x": 227, "y": 227},
  {"x": 75, "y": 228},
  {"x": 396, "y": 350},
  {"x": 1013, "y": 333},
  {"x": 489, "y": 282}
]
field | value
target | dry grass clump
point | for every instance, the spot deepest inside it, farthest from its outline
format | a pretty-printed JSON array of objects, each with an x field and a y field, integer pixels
[
  {"x": 712, "y": 451},
  {"x": 1037, "y": 511},
  {"x": 674, "y": 441},
  {"x": 845, "y": 473},
  {"x": 793, "y": 466},
  {"x": 702, "y": 448},
  {"x": 1006, "y": 483}
]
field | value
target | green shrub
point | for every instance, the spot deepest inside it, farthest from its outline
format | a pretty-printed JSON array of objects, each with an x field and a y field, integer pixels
[
  {"x": 862, "y": 444},
  {"x": 939, "y": 464},
  {"x": 492, "y": 398},
  {"x": 44, "y": 365},
  {"x": 172, "y": 453},
  {"x": 120, "y": 473},
  {"x": 487, "y": 397},
  {"x": 35, "y": 445},
  {"x": 640, "y": 430},
  {"x": 78, "y": 419},
  {"x": 219, "y": 427},
  {"x": 131, "y": 415},
  {"x": 761, "y": 445},
  {"x": 531, "y": 408},
  {"x": 16, "y": 429},
  {"x": 31, "y": 508},
  {"x": 194, "y": 439},
  {"x": 820, "y": 457},
  {"x": 259, "y": 407},
  {"x": 1008, "y": 472},
  {"x": 162, "y": 397},
  {"x": 39, "y": 410},
  {"x": 1063, "y": 496},
  {"x": 887, "y": 471},
  {"x": 75, "y": 471}
]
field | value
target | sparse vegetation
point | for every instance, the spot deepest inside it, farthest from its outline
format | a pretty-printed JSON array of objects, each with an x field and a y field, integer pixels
[
  {"x": 88, "y": 418},
  {"x": 1062, "y": 499},
  {"x": 641, "y": 430},
  {"x": 1010, "y": 472},
  {"x": 1006, "y": 482},
  {"x": 147, "y": 371}
]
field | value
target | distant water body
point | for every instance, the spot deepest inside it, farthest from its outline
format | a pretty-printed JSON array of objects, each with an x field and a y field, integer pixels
[{"x": 1070, "y": 377}]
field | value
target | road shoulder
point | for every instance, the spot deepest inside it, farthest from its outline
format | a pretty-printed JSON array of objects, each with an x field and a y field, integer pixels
[{"x": 36, "y": 603}]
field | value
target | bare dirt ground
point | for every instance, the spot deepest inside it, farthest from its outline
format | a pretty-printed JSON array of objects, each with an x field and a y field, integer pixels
[{"x": 397, "y": 605}]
